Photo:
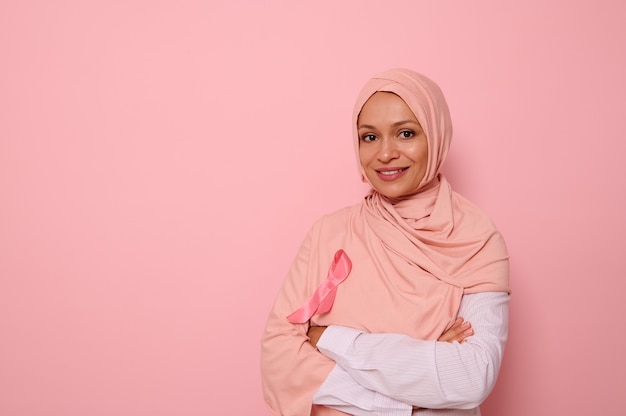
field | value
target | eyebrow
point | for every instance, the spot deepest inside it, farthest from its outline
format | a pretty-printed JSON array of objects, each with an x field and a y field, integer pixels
[{"x": 396, "y": 124}]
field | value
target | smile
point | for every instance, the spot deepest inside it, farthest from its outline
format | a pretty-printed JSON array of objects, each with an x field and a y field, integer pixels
[{"x": 391, "y": 174}]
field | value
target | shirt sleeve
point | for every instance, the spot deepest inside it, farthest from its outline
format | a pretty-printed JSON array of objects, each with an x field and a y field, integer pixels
[
  {"x": 339, "y": 391},
  {"x": 427, "y": 374}
]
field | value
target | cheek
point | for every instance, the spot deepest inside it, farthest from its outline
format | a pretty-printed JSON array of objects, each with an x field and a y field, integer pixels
[
  {"x": 424, "y": 156},
  {"x": 420, "y": 152},
  {"x": 362, "y": 157}
]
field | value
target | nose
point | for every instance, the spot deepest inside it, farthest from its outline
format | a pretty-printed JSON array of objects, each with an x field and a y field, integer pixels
[{"x": 388, "y": 150}]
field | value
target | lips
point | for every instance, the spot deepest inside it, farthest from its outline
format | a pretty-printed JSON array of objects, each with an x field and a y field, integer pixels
[{"x": 390, "y": 174}]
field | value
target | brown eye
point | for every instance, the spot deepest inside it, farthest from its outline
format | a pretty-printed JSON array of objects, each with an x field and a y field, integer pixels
[
  {"x": 367, "y": 138},
  {"x": 407, "y": 134}
]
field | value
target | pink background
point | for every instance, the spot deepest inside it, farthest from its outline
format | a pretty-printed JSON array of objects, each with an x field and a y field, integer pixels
[{"x": 160, "y": 162}]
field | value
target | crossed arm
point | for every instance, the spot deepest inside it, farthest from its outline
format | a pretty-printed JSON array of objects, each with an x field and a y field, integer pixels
[
  {"x": 392, "y": 374},
  {"x": 459, "y": 332}
]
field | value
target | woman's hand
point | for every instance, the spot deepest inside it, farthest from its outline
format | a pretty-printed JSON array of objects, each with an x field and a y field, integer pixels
[
  {"x": 314, "y": 333},
  {"x": 459, "y": 331}
]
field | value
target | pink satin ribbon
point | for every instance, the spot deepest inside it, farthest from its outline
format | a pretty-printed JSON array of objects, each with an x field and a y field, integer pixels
[{"x": 323, "y": 298}]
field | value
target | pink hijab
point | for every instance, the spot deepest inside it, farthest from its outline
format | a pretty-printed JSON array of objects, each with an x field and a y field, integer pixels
[
  {"x": 412, "y": 261},
  {"x": 453, "y": 234},
  {"x": 427, "y": 102}
]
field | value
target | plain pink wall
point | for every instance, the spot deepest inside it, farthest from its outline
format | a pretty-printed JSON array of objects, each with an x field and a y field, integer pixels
[{"x": 160, "y": 162}]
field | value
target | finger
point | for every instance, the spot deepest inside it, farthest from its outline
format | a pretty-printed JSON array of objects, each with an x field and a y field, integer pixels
[
  {"x": 456, "y": 325},
  {"x": 458, "y": 321},
  {"x": 458, "y": 328},
  {"x": 467, "y": 332},
  {"x": 457, "y": 332},
  {"x": 450, "y": 333}
]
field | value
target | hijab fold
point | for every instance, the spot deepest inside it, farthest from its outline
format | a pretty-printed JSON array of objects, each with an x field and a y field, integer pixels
[{"x": 435, "y": 228}]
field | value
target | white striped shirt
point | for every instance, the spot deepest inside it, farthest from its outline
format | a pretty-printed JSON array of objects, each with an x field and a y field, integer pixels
[{"x": 388, "y": 374}]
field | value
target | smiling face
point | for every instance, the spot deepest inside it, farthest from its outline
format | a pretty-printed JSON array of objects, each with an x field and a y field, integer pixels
[{"x": 393, "y": 148}]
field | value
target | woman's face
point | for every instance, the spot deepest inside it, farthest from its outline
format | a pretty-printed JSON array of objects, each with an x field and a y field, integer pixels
[{"x": 393, "y": 148}]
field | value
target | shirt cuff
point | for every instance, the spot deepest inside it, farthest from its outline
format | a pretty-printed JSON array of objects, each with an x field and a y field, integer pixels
[{"x": 336, "y": 340}]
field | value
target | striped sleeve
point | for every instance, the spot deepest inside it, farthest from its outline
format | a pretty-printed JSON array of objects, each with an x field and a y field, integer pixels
[
  {"x": 426, "y": 374},
  {"x": 341, "y": 392}
]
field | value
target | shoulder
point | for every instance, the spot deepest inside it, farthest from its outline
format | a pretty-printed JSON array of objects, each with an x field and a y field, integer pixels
[
  {"x": 468, "y": 215},
  {"x": 471, "y": 223},
  {"x": 335, "y": 224},
  {"x": 470, "y": 209},
  {"x": 338, "y": 217},
  {"x": 328, "y": 234}
]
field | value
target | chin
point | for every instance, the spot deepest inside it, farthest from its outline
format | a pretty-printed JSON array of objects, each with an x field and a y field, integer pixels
[{"x": 390, "y": 194}]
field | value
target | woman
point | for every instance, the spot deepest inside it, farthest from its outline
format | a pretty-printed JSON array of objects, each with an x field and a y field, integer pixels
[{"x": 368, "y": 320}]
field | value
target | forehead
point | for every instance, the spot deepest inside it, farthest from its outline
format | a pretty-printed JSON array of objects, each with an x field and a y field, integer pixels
[{"x": 385, "y": 106}]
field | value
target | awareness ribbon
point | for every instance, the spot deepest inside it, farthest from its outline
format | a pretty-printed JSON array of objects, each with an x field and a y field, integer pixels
[{"x": 323, "y": 298}]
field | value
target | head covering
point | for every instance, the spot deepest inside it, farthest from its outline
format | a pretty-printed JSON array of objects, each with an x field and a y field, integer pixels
[
  {"x": 427, "y": 102},
  {"x": 412, "y": 261},
  {"x": 453, "y": 238}
]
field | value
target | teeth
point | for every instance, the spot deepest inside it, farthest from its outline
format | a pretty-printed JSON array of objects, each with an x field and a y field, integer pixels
[{"x": 391, "y": 172}]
